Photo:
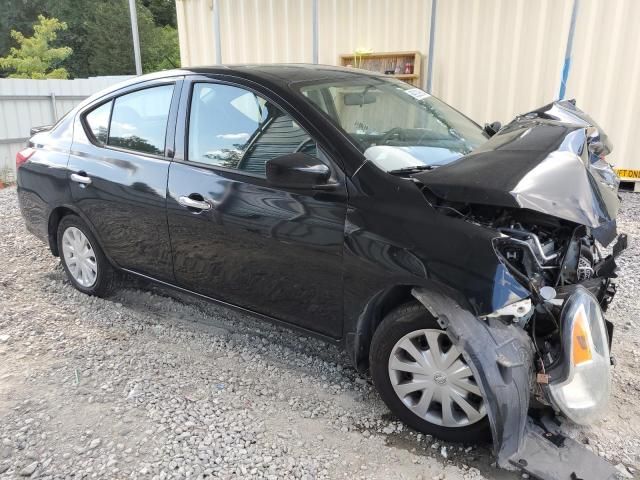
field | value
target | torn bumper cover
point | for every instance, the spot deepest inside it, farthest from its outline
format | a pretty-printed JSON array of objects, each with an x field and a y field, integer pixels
[{"x": 501, "y": 357}]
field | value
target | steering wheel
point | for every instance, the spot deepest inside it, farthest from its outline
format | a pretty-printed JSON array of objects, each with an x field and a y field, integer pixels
[{"x": 396, "y": 131}]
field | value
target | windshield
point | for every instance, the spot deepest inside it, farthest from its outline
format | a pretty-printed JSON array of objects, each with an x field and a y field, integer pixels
[{"x": 396, "y": 125}]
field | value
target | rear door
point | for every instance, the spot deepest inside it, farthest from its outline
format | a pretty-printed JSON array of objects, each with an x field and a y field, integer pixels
[
  {"x": 118, "y": 167},
  {"x": 235, "y": 237}
]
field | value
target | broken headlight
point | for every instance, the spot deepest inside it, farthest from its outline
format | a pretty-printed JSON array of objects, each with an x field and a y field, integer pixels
[{"x": 580, "y": 385}]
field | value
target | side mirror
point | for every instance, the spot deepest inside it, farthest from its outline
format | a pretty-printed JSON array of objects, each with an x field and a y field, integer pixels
[
  {"x": 492, "y": 128},
  {"x": 297, "y": 170}
]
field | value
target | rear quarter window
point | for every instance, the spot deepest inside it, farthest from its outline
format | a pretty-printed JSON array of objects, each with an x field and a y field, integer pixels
[{"x": 98, "y": 122}]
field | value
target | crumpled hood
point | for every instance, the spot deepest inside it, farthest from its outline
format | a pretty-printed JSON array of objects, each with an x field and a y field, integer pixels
[{"x": 548, "y": 160}]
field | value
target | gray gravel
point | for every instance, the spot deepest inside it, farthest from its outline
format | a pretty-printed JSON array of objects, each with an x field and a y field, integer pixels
[{"x": 153, "y": 384}]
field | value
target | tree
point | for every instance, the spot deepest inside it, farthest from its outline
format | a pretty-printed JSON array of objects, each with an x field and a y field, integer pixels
[
  {"x": 35, "y": 58},
  {"x": 160, "y": 48},
  {"x": 163, "y": 11},
  {"x": 99, "y": 33},
  {"x": 108, "y": 38},
  {"x": 76, "y": 14},
  {"x": 112, "y": 54},
  {"x": 17, "y": 15}
]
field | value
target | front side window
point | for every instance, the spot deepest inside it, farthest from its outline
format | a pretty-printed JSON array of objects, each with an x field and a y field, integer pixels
[
  {"x": 139, "y": 120},
  {"x": 397, "y": 126},
  {"x": 234, "y": 128}
]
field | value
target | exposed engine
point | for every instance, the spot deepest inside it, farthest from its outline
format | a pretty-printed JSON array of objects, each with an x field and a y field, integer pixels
[
  {"x": 552, "y": 260},
  {"x": 550, "y": 257}
]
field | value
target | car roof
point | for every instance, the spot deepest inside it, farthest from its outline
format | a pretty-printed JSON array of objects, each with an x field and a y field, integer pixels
[
  {"x": 275, "y": 75},
  {"x": 286, "y": 73},
  {"x": 282, "y": 74}
]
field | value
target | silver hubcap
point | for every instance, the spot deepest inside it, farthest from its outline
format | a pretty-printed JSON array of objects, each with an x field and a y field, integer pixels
[
  {"x": 79, "y": 257},
  {"x": 430, "y": 376}
]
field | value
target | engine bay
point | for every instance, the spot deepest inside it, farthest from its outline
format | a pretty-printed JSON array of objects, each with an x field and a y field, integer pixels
[{"x": 549, "y": 256}]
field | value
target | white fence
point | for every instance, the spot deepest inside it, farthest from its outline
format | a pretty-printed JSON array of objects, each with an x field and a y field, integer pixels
[{"x": 31, "y": 103}]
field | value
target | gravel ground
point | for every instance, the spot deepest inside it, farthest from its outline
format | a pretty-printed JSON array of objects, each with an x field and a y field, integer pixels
[{"x": 153, "y": 384}]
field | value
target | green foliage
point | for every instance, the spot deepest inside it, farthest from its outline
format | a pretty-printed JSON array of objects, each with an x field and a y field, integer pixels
[
  {"x": 100, "y": 33},
  {"x": 108, "y": 38},
  {"x": 17, "y": 15},
  {"x": 158, "y": 44},
  {"x": 77, "y": 14},
  {"x": 160, "y": 49},
  {"x": 34, "y": 57},
  {"x": 163, "y": 11},
  {"x": 158, "y": 40}
]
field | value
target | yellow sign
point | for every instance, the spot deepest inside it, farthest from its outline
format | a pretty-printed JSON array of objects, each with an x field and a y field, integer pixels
[{"x": 624, "y": 173}]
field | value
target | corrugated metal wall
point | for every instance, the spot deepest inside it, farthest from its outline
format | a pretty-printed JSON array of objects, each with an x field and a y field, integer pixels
[
  {"x": 251, "y": 30},
  {"x": 196, "y": 32},
  {"x": 379, "y": 25},
  {"x": 272, "y": 31},
  {"x": 605, "y": 72},
  {"x": 256, "y": 26},
  {"x": 496, "y": 58},
  {"x": 28, "y": 103},
  {"x": 492, "y": 59}
]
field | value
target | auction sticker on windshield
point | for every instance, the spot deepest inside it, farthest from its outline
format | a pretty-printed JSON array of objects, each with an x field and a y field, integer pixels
[{"x": 417, "y": 93}]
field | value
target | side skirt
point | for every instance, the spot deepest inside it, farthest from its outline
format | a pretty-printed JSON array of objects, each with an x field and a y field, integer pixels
[{"x": 261, "y": 316}]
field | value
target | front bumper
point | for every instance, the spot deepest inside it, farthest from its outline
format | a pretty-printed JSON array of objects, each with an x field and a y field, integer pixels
[{"x": 501, "y": 358}]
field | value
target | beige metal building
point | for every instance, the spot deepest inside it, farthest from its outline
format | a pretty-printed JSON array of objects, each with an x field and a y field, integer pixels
[{"x": 491, "y": 59}]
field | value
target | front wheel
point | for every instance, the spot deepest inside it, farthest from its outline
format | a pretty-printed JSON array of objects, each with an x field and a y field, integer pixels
[
  {"x": 423, "y": 378},
  {"x": 82, "y": 258}
]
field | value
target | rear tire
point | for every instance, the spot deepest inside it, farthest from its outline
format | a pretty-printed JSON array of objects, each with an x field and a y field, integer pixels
[
  {"x": 82, "y": 258},
  {"x": 447, "y": 404}
]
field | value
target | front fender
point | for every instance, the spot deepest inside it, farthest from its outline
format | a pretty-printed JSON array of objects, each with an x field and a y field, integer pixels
[{"x": 501, "y": 358}]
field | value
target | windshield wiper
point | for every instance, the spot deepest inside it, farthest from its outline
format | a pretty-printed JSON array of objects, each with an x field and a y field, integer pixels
[{"x": 416, "y": 168}]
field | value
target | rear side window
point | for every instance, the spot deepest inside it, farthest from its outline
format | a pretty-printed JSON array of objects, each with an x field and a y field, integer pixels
[
  {"x": 98, "y": 122},
  {"x": 234, "y": 128},
  {"x": 139, "y": 120}
]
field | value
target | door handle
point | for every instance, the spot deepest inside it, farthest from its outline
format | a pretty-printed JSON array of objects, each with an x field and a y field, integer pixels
[
  {"x": 78, "y": 178},
  {"x": 192, "y": 203}
]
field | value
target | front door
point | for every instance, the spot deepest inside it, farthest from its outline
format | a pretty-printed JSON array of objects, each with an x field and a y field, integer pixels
[
  {"x": 235, "y": 238},
  {"x": 118, "y": 175}
]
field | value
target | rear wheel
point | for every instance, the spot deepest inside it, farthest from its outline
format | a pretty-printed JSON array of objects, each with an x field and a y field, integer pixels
[
  {"x": 423, "y": 378},
  {"x": 82, "y": 258}
]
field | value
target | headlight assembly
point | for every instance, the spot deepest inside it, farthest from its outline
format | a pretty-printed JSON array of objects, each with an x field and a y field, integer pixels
[{"x": 581, "y": 384}]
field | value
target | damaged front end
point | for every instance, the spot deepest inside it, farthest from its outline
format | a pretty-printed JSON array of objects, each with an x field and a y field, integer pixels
[{"x": 543, "y": 186}]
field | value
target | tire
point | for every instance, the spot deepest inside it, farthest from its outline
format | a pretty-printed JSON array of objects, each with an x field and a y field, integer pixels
[
  {"x": 104, "y": 280},
  {"x": 410, "y": 325}
]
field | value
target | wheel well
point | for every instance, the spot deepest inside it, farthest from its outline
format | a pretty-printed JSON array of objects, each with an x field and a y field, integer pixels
[
  {"x": 54, "y": 221},
  {"x": 370, "y": 319}
]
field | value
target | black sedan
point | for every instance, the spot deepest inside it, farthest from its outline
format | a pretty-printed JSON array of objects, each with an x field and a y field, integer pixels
[{"x": 464, "y": 267}]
